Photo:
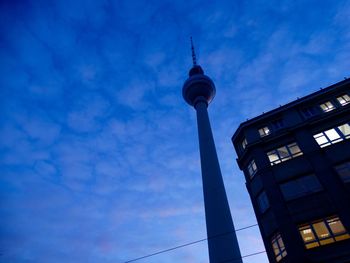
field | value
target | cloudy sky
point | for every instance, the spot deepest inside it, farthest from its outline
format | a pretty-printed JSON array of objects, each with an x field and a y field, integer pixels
[{"x": 99, "y": 152}]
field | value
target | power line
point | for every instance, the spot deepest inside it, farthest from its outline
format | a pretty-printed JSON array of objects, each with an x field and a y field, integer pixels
[
  {"x": 194, "y": 242},
  {"x": 245, "y": 256}
]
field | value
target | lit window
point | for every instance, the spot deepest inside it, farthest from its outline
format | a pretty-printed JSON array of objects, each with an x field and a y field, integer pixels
[
  {"x": 323, "y": 232},
  {"x": 244, "y": 143},
  {"x": 264, "y": 131},
  {"x": 333, "y": 135},
  {"x": 344, "y": 99},
  {"x": 308, "y": 112},
  {"x": 278, "y": 247},
  {"x": 278, "y": 124},
  {"x": 345, "y": 130},
  {"x": 300, "y": 187},
  {"x": 252, "y": 169},
  {"x": 344, "y": 171},
  {"x": 263, "y": 202},
  {"x": 327, "y": 106},
  {"x": 284, "y": 153}
]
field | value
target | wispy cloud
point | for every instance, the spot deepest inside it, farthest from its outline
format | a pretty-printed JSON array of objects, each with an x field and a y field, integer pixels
[{"x": 99, "y": 153}]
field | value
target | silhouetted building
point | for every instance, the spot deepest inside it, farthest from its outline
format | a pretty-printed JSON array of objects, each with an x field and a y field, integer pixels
[{"x": 296, "y": 162}]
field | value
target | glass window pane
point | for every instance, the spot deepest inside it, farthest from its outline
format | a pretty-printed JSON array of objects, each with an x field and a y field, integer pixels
[
  {"x": 263, "y": 202},
  {"x": 345, "y": 129},
  {"x": 336, "y": 226},
  {"x": 327, "y": 106},
  {"x": 311, "y": 245},
  {"x": 264, "y": 131},
  {"x": 273, "y": 157},
  {"x": 327, "y": 241},
  {"x": 294, "y": 149},
  {"x": 321, "y": 139},
  {"x": 283, "y": 152},
  {"x": 321, "y": 230},
  {"x": 344, "y": 171},
  {"x": 261, "y": 132},
  {"x": 280, "y": 243},
  {"x": 252, "y": 168},
  {"x": 307, "y": 234},
  {"x": 309, "y": 184},
  {"x": 244, "y": 143},
  {"x": 342, "y": 237},
  {"x": 343, "y": 100},
  {"x": 290, "y": 190},
  {"x": 332, "y": 135},
  {"x": 275, "y": 247}
]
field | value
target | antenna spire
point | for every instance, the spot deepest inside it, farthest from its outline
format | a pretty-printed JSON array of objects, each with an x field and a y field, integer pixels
[{"x": 194, "y": 59}]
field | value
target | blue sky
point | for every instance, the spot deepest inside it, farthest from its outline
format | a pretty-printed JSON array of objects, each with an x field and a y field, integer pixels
[{"x": 99, "y": 152}]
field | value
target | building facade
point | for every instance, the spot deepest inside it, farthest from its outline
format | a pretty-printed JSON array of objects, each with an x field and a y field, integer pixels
[{"x": 296, "y": 162}]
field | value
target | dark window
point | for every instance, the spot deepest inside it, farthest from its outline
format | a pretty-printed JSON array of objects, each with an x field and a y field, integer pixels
[
  {"x": 252, "y": 168},
  {"x": 278, "y": 124},
  {"x": 263, "y": 202},
  {"x": 302, "y": 186},
  {"x": 308, "y": 112},
  {"x": 278, "y": 247},
  {"x": 344, "y": 171},
  {"x": 323, "y": 232}
]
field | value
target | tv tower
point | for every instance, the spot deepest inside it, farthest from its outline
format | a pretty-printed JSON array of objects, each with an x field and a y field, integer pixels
[{"x": 198, "y": 91}]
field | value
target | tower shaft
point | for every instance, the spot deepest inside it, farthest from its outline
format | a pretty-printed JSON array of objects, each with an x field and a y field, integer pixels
[{"x": 222, "y": 240}]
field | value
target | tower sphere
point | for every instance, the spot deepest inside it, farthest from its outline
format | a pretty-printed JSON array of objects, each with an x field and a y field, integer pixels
[{"x": 198, "y": 87}]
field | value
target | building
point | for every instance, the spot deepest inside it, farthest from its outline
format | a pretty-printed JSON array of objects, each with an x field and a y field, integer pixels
[{"x": 296, "y": 162}]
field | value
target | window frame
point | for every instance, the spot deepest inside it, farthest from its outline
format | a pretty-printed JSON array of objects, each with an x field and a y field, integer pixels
[
  {"x": 263, "y": 202},
  {"x": 347, "y": 100},
  {"x": 327, "y": 108},
  {"x": 264, "y": 131},
  {"x": 309, "y": 112},
  {"x": 277, "y": 152},
  {"x": 323, "y": 135},
  {"x": 341, "y": 167},
  {"x": 300, "y": 187},
  {"x": 278, "y": 124},
  {"x": 244, "y": 143},
  {"x": 276, "y": 244},
  {"x": 252, "y": 168},
  {"x": 321, "y": 241}
]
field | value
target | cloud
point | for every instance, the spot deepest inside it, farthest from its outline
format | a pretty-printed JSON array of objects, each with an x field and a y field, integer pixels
[{"x": 99, "y": 152}]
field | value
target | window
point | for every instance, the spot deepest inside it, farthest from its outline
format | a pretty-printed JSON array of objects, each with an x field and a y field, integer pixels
[
  {"x": 333, "y": 135},
  {"x": 344, "y": 99},
  {"x": 252, "y": 168},
  {"x": 308, "y": 112},
  {"x": 323, "y": 232},
  {"x": 344, "y": 171},
  {"x": 244, "y": 143},
  {"x": 300, "y": 187},
  {"x": 263, "y": 202},
  {"x": 278, "y": 124},
  {"x": 278, "y": 247},
  {"x": 327, "y": 106},
  {"x": 264, "y": 131},
  {"x": 284, "y": 153}
]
